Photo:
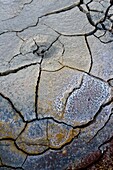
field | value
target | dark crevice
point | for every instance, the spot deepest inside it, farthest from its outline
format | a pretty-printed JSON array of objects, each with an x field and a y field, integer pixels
[
  {"x": 21, "y": 131},
  {"x": 105, "y": 16},
  {"x": 87, "y": 15},
  {"x": 90, "y": 53},
  {"x": 56, "y": 121},
  {"x": 42, "y": 54},
  {"x": 7, "y": 138},
  {"x": 24, "y": 161},
  {"x": 11, "y": 167},
  {"x": 30, "y": 154},
  {"x": 106, "y": 142},
  {"x": 30, "y": 26},
  {"x": 4, "y": 32},
  {"x": 51, "y": 44},
  {"x": 5, "y": 73},
  {"x": 36, "y": 91},
  {"x": 101, "y": 127},
  {"x": 104, "y": 42},
  {"x": 65, "y": 9},
  {"x": 110, "y": 82},
  {"x": 95, "y": 116},
  {"x": 73, "y": 68}
]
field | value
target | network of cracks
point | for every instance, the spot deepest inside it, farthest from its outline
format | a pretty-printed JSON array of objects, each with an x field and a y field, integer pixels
[{"x": 56, "y": 85}]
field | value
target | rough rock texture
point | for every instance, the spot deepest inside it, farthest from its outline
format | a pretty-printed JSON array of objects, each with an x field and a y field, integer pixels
[{"x": 56, "y": 84}]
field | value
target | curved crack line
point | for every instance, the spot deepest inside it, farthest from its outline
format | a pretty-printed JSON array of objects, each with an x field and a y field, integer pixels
[
  {"x": 13, "y": 107},
  {"x": 104, "y": 42},
  {"x": 70, "y": 93},
  {"x": 21, "y": 131},
  {"x": 36, "y": 91},
  {"x": 105, "y": 16},
  {"x": 65, "y": 9},
  {"x": 30, "y": 26},
  {"x": 72, "y": 35},
  {"x": 19, "y": 54},
  {"x": 51, "y": 71},
  {"x": 56, "y": 121},
  {"x": 95, "y": 116},
  {"x": 109, "y": 82},
  {"x": 4, "y": 32},
  {"x": 11, "y": 167},
  {"x": 90, "y": 53},
  {"x": 106, "y": 142},
  {"x": 101, "y": 128},
  {"x": 83, "y": 125},
  {"x": 25, "y": 4},
  {"x": 24, "y": 162},
  {"x": 83, "y": 71},
  {"x": 49, "y": 148},
  {"x": 5, "y": 73},
  {"x": 87, "y": 15}
]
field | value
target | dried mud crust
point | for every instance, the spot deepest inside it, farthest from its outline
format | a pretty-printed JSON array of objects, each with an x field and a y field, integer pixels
[{"x": 56, "y": 85}]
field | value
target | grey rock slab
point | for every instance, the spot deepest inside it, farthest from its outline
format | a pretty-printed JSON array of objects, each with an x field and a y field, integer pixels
[
  {"x": 11, "y": 124},
  {"x": 9, "y": 46},
  {"x": 29, "y": 15},
  {"x": 55, "y": 87},
  {"x": 11, "y": 8},
  {"x": 20, "y": 88},
  {"x": 34, "y": 138},
  {"x": 10, "y": 155},
  {"x": 83, "y": 103},
  {"x": 69, "y": 22},
  {"x": 76, "y": 54},
  {"x": 40, "y": 29},
  {"x": 102, "y": 58}
]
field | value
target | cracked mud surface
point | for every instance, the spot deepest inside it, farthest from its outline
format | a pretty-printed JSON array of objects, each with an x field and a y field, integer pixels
[{"x": 56, "y": 84}]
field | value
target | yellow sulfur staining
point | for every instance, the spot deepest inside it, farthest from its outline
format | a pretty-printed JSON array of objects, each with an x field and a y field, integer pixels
[{"x": 60, "y": 134}]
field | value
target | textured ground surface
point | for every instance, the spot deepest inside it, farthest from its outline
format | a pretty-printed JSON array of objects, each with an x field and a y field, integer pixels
[{"x": 56, "y": 84}]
